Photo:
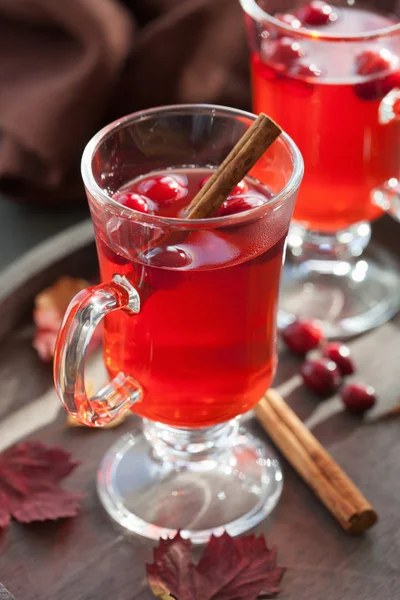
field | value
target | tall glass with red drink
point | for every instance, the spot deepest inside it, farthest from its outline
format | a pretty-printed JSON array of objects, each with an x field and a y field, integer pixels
[
  {"x": 189, "y": 311},
  {"x": 330, "y": 74}
]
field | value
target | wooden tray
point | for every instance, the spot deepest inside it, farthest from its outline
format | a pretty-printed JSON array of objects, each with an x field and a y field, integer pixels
[{"x": 86, "y": 557}]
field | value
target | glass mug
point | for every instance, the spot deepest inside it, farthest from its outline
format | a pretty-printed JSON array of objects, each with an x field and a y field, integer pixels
[
  {"x": 334, "y": 89},
  {"x": 189, "y": 309}
]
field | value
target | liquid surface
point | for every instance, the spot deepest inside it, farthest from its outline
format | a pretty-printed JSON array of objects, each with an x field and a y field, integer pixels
[
  {"x": 203, "y": 346},
  {"x": 327, "y": 96}
]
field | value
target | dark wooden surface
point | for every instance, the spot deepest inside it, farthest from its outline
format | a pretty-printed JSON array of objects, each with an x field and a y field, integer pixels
[
  {"x": 87, "y": 557},
  {"x": 24, "y": 225}
]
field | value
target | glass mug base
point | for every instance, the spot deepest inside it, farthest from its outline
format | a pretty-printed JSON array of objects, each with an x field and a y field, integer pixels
[
  {"x": 161, "y": 479},
  {"x": 327, "y": 279}
]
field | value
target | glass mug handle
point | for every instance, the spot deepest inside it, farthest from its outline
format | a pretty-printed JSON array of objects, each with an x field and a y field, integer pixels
[
  {"x": 84, "y": 313},
  {"x": 387, "y": 197}
]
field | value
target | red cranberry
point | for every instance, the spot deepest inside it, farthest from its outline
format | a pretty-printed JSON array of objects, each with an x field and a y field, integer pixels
[
  {"x": 370, "y": 62},
  {"x": 134, "y": 201},
  {"x": 238, "y": 205},
  {"x": 241, "y": 187},
  {"x": 285, "y": 51},
  {"x": 379, "y": 63},
  {"x": 130, "y": 200},
  {"x": 302, "y": 336},
  {"x": 341, "y": 356},
  {"x": 376, "y": 89},
  {"x": 171, "y": 260},
  {"x": 162, "y": 189},
  {"x": 321, "y": 376},
  {"x": 318, "y": 13},
  {"x": 358, "y": 397},
  {"x": 289, "y": 19}
]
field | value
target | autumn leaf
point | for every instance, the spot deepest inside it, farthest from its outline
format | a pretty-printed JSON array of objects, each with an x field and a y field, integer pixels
[
  {"x": 49, "y": 309},
  {"x": 30, "y": 474},
  {"x": 229, "y": 569}
]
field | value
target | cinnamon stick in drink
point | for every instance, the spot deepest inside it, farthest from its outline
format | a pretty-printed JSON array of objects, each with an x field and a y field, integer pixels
[
  {"x": 315, "y": 465},
  {"x": 248, "y": 150},
  {"x": 241, "y": 159}
]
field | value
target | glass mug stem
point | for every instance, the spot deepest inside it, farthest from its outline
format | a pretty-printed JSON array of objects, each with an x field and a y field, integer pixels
[{"x": 84, "y": 313}]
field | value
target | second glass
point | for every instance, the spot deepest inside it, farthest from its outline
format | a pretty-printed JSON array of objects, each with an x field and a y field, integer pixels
[{"x": 329, "y": 74}]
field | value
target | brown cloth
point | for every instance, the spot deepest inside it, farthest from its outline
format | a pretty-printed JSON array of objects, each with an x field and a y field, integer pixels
[{"x": 68, "y": 67}]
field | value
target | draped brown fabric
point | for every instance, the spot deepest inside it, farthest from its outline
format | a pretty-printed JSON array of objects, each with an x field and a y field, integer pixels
[{"x": 67, "y": 68}]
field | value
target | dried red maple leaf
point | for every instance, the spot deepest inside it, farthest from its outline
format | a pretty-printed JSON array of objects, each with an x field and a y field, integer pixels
[
  {"x": 49, "y": 310},
  {"x": 30, "y": 474},
  {"x": 229, "y": 569}
]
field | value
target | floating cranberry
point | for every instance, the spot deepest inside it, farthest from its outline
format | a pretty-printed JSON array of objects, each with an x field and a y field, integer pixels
[
  {"x": 134, "y": 201},
  {"x": 358, "y": 397},
  {"x": 172, "y": 261},
  {"x": 321, "y": 376},
  {"x": 241, "y": 187},
  {"x": 238, "y": 205},
  {"x": 341, "y": 356},
  {"x": 375, "y": 89},
  {"x": 318, "y": 13},
  {"x": 379, "y": 62},
  {"x": 163, "y": 189},
  {"x": 285, "y": 51},
  {"x": 302, "y": 336},
  {"x": 289, "y": 19},
  {"x": 374, "y": 61}
]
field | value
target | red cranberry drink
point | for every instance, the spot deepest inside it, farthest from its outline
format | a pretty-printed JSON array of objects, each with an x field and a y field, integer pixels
[
  {"x": 189, "y": 302},
  {"x": 328, "y": 98},
  {"x": 203, "y": 345}
]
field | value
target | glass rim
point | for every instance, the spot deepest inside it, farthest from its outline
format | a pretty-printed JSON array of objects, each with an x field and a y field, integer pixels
[
  {"x": 254, "y": 10},
  {"x": 104, "y": 199}
]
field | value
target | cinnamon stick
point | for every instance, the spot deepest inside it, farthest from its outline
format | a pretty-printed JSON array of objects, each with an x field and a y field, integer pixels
[
  {"x": 315, "y": 465},
  {"x": 243, "y": 156},
  {"x": 251, "y": 146}
]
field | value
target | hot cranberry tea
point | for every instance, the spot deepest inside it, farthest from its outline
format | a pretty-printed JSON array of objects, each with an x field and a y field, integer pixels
[{"x": 203, "y": 345}]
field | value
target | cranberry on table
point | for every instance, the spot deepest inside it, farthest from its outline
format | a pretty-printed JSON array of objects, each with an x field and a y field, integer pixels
[
  {"x": 303, "y": 335},
  {"x": 341, "y": 356},
  {"x": 321, "y": 376},
  {"x": 238, "y": 205},
  {"x": 134, "y": 201},
  {"x": 289, "y": 19},
  {"x": 358, "y": 397},
  {"x": 241, "y": 187},
  {"x": 163, "y": 189},
  {"x": 318, "y": 13}
]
